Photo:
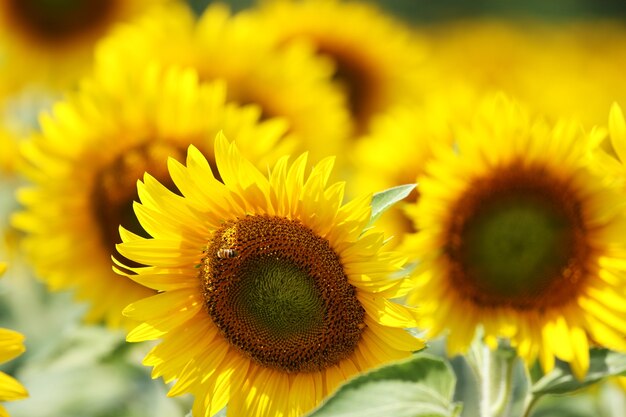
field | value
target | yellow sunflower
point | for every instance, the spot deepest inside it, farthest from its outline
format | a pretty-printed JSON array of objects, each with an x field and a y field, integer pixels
[
  {"x": 9, "y": 81},
  {"x": 612, "y": 155},
  {"x": 8, "y": 142},
  {"x": 93, "y": 149},
  {"x": 271, "y": 291},
  {"x": 292, "y": 83},
  {"x": 415, "y": 132},
  {"x": 377, "y": 59},
  {"x": 519, "y": 233},
  {"x": 9, "y": 162},
  {"x": 11, "y": 345},
  {"x": 613, "y": 162},
  {"x": 9, "y": 152},
  {"x": 563, "y": 70},
  {"x": 18, "y": 119},
  {"x": 53, "y": 40}
]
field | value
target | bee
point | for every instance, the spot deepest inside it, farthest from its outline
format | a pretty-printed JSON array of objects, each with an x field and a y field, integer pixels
[{"x": 226, "y": 253}]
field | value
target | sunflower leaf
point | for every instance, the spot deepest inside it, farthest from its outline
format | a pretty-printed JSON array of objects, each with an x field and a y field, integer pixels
[
  {"x": 602, "y": 364},
  {"x": 383, "y": 200},
  {"x": 421, "y": 386}
]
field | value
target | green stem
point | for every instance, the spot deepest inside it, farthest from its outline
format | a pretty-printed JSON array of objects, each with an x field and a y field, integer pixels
[
  {"x": 506, "y": 387},
  {"x": 494, "y": 371},
  {"x": 530, "y": 404},
  {"x": 485, "y": 382}
]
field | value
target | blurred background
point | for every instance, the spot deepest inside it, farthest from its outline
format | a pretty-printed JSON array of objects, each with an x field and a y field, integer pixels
[{"x": 425, "y": 12}]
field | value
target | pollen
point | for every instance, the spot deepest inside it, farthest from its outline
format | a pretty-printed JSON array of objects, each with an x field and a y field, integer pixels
[{"x": 284, "y": 300}]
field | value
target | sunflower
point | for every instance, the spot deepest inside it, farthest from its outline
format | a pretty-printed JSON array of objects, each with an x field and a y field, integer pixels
[
  {"x": 613, "y": 161},
  {"x": 9, "y": 82},
  {"x": 93, "y": 149},
  {"x": 271, "y": 291},
  {"x": 18, "y": 119},
  {"x": 377, "y": 59},
  {"x": 292, "y": 83},
  {"x": 52, "y": 40},
  {"x": 612, "y": 153},
  {"x": 11, "y": 345},
  {"x": 520, "y": 233},
  {"x": 9, "y": 151},
  {"x": 563, "y": 70},
  {"x": 8, "y": 144},
  {"x": 9, "y": 162},
  {"x": 416, "y": 133}
]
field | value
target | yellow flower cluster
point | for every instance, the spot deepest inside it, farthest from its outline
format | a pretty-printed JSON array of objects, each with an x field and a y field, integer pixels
[{"x": 157, "y": 188}]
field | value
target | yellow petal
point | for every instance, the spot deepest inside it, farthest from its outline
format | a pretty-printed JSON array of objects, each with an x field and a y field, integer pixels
[
  {"x": 617, "y": 130},
  {"x": 580, "y": 345},
  {"x": 11, "y": 344},
  {"x": 386, "y": 312},
  {"x": 11, "y": 389}
]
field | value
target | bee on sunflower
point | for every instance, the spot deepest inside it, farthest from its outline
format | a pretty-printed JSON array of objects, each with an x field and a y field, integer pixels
[{"x": 271, "y": 290}]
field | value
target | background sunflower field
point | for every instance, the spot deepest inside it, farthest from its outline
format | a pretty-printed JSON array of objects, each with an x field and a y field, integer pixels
[{"x": 396, "y": 85}]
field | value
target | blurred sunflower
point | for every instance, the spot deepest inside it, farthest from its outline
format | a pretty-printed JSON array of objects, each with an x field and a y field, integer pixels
[
  {"x": 271, "y": 291},
  {"x": 612, "y": 155},
  {"x": 11, "y": 345},
  {"x": 9, "y": 152},
  {"x": 52, "y": 40},
  {"x": 9, "y": 157},
  {"x": 9, "y": 81},
  {"x": 562, "y": 70},
  {"x": 415, "y": 133},
  {"x": 377, "y": 59},
  {"x": 519, "y": 233},
  {"x": 8, "y": 144},
  {"x": 613, "y": 161},
  {"x": 292, "y": 83},
  {"x": 18, "y": 119},
  {"x": 94, "y": 148}
]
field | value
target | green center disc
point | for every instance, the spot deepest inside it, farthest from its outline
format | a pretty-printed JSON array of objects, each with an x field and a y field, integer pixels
[
  {"x": 279, "y": 298},
  {"x": 515, "y": 248}
]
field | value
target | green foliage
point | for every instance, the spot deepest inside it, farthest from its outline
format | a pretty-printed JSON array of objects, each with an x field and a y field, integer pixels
[
  {"x": 421, "y": 386},
  {"x": 602, "y": 364},
  {"x": 383, "y": 200}
]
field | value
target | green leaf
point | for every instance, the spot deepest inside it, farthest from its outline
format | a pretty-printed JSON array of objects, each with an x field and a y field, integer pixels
[
  {"x": 602, "y": 363},
  {"x": 421, "y": 386},
  {"x": 383, "y": 200},
  {"x": 569, "y": 406}
]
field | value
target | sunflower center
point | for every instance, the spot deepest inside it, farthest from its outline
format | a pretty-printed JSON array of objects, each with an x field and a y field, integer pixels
[
  {"x": 283, "y": 299},
  {"x": 358, "y": 80},
  {"x": 278, "y": 293},
  {"x": 518, "y": 239},
  {"x": 115, "y": 189},
  {"x": 58, "y": 20}
]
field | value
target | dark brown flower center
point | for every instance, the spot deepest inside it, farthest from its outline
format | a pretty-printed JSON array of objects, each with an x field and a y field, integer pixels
[
  {"x": 56, "y": 21},
  {"x": 115, "y": 189},
  {"x": 517, "y": 238},
  {"x": 358, "y": 79},
  {"x": 278, "y": 293}
]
